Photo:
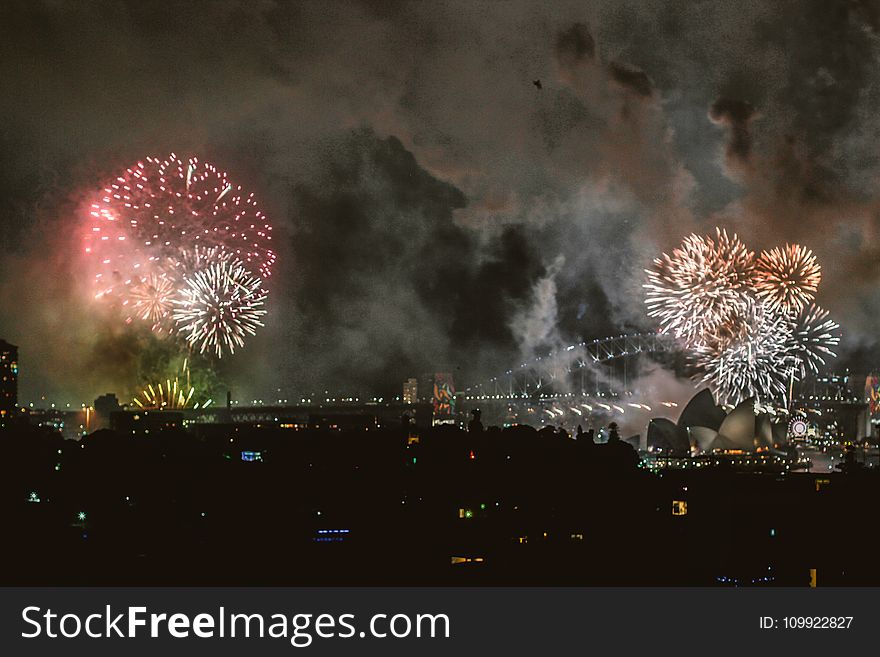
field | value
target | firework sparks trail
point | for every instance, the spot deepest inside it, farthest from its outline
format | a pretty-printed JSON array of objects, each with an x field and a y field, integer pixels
[
  {"x": 787, "y": 278},
  {"x": 700, "y": 285},
  {"x": 749, "y": 357},
  {"x": 218, "y": 306},
  {"x": 814, "y": 337},
  {"x": 190, "y": 261},
  {"x": 160, "y": 228},
  {"x": 750, "y": 325},
  {"x": 170, "y": 394},
  {"x": 159, "y": 207},
  {"x": 151, "y": 299}
]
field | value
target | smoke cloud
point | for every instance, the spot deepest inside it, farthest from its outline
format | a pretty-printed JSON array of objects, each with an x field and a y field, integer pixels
[{"x": 434, "y": 208}]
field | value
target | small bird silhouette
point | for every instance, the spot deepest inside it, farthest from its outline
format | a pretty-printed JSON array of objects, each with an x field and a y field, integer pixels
[{"x": 537, "y": 83}]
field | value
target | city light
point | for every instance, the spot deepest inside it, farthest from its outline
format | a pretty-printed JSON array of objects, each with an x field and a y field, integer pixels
[{"x": 576, "y": 331}]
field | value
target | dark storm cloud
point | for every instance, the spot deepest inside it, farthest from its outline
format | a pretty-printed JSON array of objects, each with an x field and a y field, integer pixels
[
  {"x": 385, "y": 278},
  {"x": 736, "y": 116},
  {"x": 575, "y": 45},
  {"x": 631, "y": 78},
  {"x": 431, "y": 204}
]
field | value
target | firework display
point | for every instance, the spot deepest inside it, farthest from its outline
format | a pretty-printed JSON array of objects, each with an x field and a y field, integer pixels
[
  {"x": 151, "y": 299},
  {"x": 748, "y": 357},
  {"x": 170, "y": 394},
  {"x": 701, "y": 285},
  {"x": 189, "y": 261},
  {"x": 798, "y": 427},
  {"x": 749, "y": 324},
  {"x": 787, "y": 278},
  {"x": 174, "y": 243},
  {"x": 814, "y": 335},
  {"x": 219, "y": 305}
]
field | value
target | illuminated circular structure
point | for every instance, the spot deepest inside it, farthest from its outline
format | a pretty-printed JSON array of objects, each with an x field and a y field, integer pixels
[{"x": 798, "y": 427}]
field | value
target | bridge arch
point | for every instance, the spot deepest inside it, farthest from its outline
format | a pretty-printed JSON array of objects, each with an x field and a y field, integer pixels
[{"x": 561, "y": 369}]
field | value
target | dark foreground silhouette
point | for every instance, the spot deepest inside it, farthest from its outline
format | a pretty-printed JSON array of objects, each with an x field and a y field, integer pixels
[{"x": 253, "y": 506}]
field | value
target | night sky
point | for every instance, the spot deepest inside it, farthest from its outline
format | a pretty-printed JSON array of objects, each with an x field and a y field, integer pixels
[{"x": 434, "y": 208}]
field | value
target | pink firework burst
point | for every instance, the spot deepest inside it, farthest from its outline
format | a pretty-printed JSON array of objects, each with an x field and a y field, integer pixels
[{"x": 156, "y": 208}]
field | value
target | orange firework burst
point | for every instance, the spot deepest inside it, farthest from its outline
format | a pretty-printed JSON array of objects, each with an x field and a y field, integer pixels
[
  {"x": 151, "y": 299},
  {"x": 787, "y": 278},
  {"x": 750, "y": 324}
]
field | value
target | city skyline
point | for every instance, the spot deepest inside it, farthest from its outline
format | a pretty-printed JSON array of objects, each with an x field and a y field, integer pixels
[{"x": 457, "y": 294}]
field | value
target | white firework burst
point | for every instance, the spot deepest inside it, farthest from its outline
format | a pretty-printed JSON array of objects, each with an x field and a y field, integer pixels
[
  {"x": 813, "y": 338},
  {"x": 751, "y": 356},
  {"x": 700, "y": 285},
  {"x": 219, "y": 305},
  {"x": 748, "y": 324},
  {"x": 163, "y": 220}
]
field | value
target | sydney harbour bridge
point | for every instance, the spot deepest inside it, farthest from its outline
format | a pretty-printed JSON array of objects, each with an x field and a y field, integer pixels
[
  {"x": 607, "y": 366},
  {"x": 590, "y": 382},
  {"x": 585, "y": 383}
]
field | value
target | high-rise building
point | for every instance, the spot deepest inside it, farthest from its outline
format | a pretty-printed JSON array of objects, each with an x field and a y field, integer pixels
[
  {"x": 105, "y": 406},
  {"x": 410, "y": 391},
  {"x": 8, "y": 378}
]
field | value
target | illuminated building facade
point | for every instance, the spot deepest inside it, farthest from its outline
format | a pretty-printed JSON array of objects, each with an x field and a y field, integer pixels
[
  {"x": 8, "y": 379},
  {"x": 410, "y": 391},
  {"x": 444, "y": 397},
  {"x": 872, "y": 395}
]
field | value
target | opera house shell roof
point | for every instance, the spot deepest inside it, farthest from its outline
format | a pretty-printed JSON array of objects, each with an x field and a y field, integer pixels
[{"x": 704, "y": 426}]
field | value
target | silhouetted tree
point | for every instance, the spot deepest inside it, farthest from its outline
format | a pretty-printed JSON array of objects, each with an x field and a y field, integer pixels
[{"x": 475, "y": 425}]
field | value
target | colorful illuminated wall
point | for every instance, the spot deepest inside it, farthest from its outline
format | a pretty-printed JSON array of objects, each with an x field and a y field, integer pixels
[
  {"x": 444, "y": 396},
  {"x": 872, "y": 394}
]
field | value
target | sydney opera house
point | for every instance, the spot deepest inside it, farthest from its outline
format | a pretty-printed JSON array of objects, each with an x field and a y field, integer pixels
[{"x": 704, "y": 428}]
